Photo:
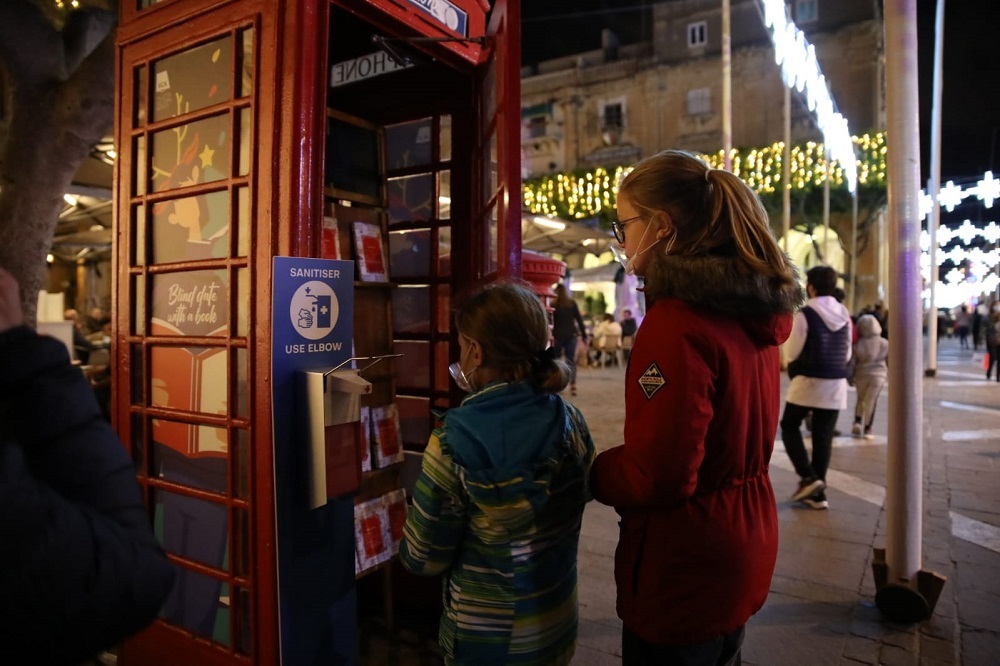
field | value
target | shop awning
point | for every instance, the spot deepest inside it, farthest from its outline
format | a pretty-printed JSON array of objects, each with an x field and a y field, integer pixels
[{"x": 562, "y": 237}]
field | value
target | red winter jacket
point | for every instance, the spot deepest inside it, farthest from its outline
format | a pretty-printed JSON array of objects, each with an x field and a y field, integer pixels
[{"x": 699, "y": 527}]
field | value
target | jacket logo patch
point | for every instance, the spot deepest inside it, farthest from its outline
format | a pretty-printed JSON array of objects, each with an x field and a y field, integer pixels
[{"x": 652, "y": 380}]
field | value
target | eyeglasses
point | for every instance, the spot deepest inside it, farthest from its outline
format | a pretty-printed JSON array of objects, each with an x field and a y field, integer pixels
[{"x": 619, "y": 227}]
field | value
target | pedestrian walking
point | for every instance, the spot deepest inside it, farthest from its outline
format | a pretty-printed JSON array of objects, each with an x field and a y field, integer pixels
[
  {"x": 699, "y": 530},
  {"x": 81, "y": 567},
  {"x": 963, "y": 325},
  {"x": 498, "y": 505},
  {"x": 819, "y": 350},
  {"x": 992, "y": 329},
  {"x": 870, "y": 370},
  {"x": 566, "y": 324}
]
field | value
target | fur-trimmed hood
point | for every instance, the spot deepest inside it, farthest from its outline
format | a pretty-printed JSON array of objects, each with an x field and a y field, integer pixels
[{"x": 714, "y": 283}]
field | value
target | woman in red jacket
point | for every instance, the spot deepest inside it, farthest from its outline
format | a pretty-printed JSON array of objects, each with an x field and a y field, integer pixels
[{"x": 699, "y": 527}]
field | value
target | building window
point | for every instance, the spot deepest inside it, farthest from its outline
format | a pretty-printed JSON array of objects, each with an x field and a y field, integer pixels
[
  {"x": 613, "y": 115},
  {"x": 537, "y": 126},
  {"x": 699, "y": 101},
  {"x": 805, "y": 11},
  {"x": 697, "y": 34}
]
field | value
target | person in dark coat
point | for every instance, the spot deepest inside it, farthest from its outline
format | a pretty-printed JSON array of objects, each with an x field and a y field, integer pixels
[
  {"x": 81, "y": 567},
  {"x": 566, "y": 323}
]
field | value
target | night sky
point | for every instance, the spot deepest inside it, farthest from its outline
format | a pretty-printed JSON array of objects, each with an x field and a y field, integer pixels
[{"x": 971, "y": 116}]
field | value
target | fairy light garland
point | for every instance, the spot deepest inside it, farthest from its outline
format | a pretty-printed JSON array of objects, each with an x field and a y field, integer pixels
[{"x": 583, "y": 194}]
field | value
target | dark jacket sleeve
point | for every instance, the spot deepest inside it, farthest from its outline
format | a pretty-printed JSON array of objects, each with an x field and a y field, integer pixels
[
  {"x": 579, "y": 322},
  {"x": 81, "y": 567}
]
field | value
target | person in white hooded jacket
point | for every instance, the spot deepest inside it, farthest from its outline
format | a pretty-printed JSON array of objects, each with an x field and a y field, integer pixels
[
  {"x": 818, "y": 350},
  {"x": 869, "y": 374}
]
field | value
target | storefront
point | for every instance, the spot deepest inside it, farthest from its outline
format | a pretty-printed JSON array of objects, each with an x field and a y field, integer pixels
[{"x": 378, "y": 131}]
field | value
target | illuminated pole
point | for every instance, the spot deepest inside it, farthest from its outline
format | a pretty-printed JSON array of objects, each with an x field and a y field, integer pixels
[
  {"x": 727, "y": 90},
  {"x": 904, "y": 500},
  {"x": 854, "y": 253},
  {"x": 786, "y": 171},
  {"x": 933, "y": 187}
]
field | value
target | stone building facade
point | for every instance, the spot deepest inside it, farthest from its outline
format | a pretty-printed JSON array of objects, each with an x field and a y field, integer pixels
[{"x": 618, "y": 103}]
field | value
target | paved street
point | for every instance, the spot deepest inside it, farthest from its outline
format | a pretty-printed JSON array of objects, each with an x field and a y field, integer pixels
[{"x": 821, "y": 609}]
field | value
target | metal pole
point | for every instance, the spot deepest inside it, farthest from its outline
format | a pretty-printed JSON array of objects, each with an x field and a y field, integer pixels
[
  {"x": 786, "y": 172},
  {"x": 904, "y": 500},
  {"x": 826, "y": 204},
  {"x": 727, "y": 90},
  {"x": 934, "y": 188},
  {"x": 854, "y": 252}
]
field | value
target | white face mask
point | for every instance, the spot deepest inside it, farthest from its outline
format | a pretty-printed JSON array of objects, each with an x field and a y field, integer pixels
[{"x": 461, "y": 380}]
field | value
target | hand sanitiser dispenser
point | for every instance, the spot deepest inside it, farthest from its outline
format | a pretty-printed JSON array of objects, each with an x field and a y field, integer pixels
[{"x": 331, "y": 401}]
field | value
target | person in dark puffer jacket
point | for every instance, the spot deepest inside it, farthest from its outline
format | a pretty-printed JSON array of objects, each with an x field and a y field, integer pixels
[{"x": 81, "y": 567}]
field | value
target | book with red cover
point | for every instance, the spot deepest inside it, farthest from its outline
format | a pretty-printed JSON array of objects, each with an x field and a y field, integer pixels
[
  {"x": 370, "y": 252},
  {"x": 388, "y": 441},
  {"x": 396, "y": 509},
  {"x": 330, "y": 239}
]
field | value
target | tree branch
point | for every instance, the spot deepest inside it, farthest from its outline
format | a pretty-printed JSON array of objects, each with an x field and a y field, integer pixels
[{"x": 36, "y": 53}]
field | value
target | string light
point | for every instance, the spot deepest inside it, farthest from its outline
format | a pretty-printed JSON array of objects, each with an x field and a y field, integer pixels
[
  {"x": 799, "y": 68},
  {"x": 584, "y": 194}
]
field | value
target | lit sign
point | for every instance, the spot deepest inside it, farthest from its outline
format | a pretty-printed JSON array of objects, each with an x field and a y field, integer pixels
[
  {"x": 445, "y": 13},
  {"x": 365, "y": 67}
]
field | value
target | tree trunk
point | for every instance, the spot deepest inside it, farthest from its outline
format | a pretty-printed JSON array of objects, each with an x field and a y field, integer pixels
[{"x": 60, "y": 107}]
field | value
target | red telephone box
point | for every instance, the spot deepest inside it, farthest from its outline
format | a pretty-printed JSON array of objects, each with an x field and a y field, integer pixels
[{"x": 249, "y": 129}]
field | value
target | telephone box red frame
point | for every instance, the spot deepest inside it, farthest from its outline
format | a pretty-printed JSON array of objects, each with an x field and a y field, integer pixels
[{"x": 285, "y": 180}]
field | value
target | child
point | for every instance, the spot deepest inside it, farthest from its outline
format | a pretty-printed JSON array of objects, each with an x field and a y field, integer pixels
[
  {"x": 498, "y": 505},
  {"x": 870, "y": 370}
]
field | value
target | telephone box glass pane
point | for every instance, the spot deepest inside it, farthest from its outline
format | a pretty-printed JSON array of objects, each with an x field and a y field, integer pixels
[
  {"x": 441, "y": 363},
  {"x": 194, "y": 604},
  {"x": 198, "y": 152},
  {"x": 493, "y": 235},
  {"x": 139, "y": 234},
  {"x": 193, "y": 79},
  {"x": 191, "y": 228},
  {"x": 242, "y": 386},
  {"x": 244, "y": 642},
  {"x": 176, "y": 460},
  {"x": 490, "y": 169},
  {"x": 243, "y": 302},
  {"x": 444, "y": 251},
  {"x": 411, "y": 309},
  {"x": 413, "y": 367},
  {"x": 139, "y": 166},
  {"x": 242, "y": 222},
  {"x": 410, "y": 254},
  {"x": 137, "y": 370},
  {"x": 409, "y": 144},
  {"x": 443, "y": 309},
  {"x": 242, "y": 546},
  {"x": 242, "y": 485},
  {"x": 414, "y": 420},
  {"x": 191, "y": 303},
  {"x": 445, "y": 138},
  {"x": 138, "y": 438},
  {"x": 246, "y": 126},
  {"x": 444, "y": 195},
  {"x": 246, "y": 62},
  {"x": 140, "y": 93},
  {"x": 411, "y": 198},
  {"x": 191, "y": 379},
  {"x": 138, "y": 299}
]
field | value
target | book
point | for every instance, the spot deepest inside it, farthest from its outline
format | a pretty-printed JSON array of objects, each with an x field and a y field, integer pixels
[
  {"x": 372, "y": 536},
  {"x": 370, "y": 253},
  {"x": 388, "y": 440},
  {"x": 396, "y": 510},
  {"x": 330, "y": 239},
  {"x": 366, "y": 439}
]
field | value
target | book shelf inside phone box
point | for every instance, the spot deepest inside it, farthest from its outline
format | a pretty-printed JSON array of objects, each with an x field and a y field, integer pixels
[{"x": 355, "y": 228}]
